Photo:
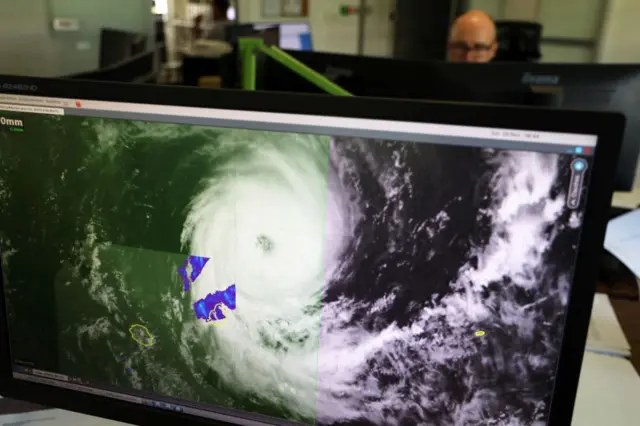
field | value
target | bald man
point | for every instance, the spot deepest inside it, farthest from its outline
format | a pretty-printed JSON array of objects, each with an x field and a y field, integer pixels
[{"x": 472, "y": 38}]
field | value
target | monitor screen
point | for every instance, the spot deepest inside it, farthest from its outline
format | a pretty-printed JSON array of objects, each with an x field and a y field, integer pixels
[
  {"x": 269, "y": 268},
  {"x": 293, "y": 35}
]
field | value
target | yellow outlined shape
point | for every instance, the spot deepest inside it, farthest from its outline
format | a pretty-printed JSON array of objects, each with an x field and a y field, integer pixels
[
  {"x": 151, "y": 340},
  {"x": 213, "y": 317}
]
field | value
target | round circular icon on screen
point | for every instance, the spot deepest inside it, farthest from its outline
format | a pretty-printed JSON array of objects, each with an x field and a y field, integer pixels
[{"x": 579, "y": 165}]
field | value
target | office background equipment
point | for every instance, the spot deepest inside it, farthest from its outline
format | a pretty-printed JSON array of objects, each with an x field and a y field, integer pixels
[
  {"x": 422, "y": 28},
  {"x": 273, "y": 9},
  {"x": 253, "y": 49},
  {"x": 196, "y": 65},
  {"x": 295, "y": 8},
  {"x": 141, "y": 68},
  {"x": 519, "y": 41},
  {"x": 629, "y": 200},
  {"x": 118, "y": 46},
  {"x": 614, "y": 87},
  {"x": 66, "y": 24},
  {"x": 135, "y": 272},
  {"x": 161, "y": 39},
  {"x": 226, "y": 63},
  {"x": 292, "y": 35},
  {"x": 393, "y": 78}
]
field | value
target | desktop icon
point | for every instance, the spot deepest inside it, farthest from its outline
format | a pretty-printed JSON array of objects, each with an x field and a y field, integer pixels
[
  {"x": 579, "y": 150},
  {"x": 579, "y": 165},
  {"x": 578, "y": 171}
]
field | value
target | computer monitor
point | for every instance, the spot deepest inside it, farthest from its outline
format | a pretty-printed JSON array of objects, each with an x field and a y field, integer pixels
[
  {"x": 384, "y": 77},
  {"x": 177, "y": 256},
  {"x": 117, "y": 46},
  {"x": 269, "y": 33},
  {"x": 595, "y": 87},
  {"x": 293, "y": 35},
  {"x": 137, "y": 69}
]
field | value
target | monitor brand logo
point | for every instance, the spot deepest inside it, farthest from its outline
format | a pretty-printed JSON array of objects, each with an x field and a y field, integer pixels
[
  {"x": 11, "y": 122},
  {"x": 333, "y": 73},
  {"x": 19, "y": 87},
  {"x": 528, "y": 78}
]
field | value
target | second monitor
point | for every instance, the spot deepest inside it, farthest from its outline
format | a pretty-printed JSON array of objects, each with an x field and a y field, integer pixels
[
  {"x": 291, "y": 35},
  {"x": 567, "y": 86}
]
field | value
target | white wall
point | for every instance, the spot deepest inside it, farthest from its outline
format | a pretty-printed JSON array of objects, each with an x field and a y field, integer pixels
[
  {"x": 81, "y": 50},
  {"x": 620, "y": 41},
  {"x": 250, "y": 11},
  {"x": 379, "y": 28},
  {"x": 525, "y": 10},
  {"x": 579, "y": 19},
  {"x": 26, "y": 46},
  {"x": 494, "y": 8},
  {"x": 30, "y": 46},
  {"x": 330, "y": 31}
]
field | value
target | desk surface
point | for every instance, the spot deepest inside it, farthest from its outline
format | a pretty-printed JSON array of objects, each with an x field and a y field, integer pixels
[{"x": 629, "y": 200}]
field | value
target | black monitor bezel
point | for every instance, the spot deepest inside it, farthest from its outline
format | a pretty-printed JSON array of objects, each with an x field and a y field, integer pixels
[{"x": 608, "y": 127}]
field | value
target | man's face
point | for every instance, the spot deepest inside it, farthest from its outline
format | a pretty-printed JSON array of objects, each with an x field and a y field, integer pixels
[{"x": 471, "y": 44}]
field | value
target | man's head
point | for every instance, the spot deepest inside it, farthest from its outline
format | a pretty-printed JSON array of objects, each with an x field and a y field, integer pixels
[{"x": 472, "y": 38}]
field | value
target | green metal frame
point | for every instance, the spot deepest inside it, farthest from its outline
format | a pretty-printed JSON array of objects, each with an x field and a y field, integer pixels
[{"x": 249, "y": 47}]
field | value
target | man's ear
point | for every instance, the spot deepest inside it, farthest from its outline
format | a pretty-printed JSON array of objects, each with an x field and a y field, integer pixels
[{"x": 494, "y": 47}]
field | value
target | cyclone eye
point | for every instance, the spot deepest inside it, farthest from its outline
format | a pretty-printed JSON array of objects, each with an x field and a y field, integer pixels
[{"x": 264, "y": 243}]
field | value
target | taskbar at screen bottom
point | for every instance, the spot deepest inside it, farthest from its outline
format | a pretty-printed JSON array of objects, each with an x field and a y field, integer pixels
[{"x": 61, "y": 381}]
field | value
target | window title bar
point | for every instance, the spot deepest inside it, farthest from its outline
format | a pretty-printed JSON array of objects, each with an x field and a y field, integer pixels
[
  {"x": 514, "y": 135},
  {"x": 33, "y": 109}
]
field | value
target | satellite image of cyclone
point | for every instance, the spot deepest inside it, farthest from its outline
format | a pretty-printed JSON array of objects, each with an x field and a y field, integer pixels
[{"x": 365, "y": 282}]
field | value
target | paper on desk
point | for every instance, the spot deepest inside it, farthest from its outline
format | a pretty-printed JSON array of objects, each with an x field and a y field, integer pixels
[
  {"x": 605, "y": 333},
  {"x": 607, "y": 392},
  {"x": 623, "y": 240},
  {"x": 55, "y": 417}
]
